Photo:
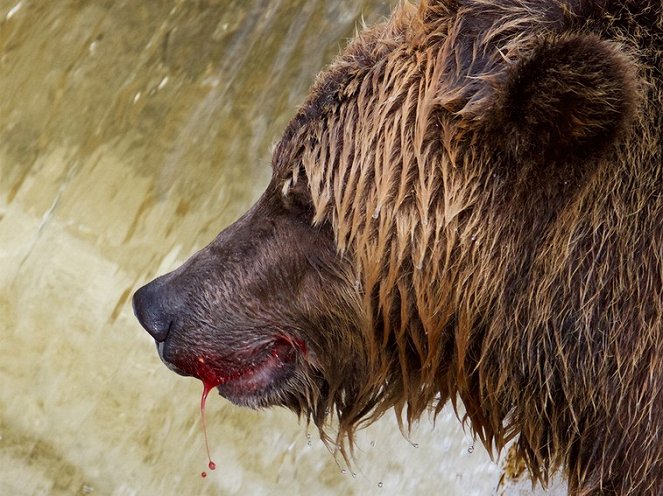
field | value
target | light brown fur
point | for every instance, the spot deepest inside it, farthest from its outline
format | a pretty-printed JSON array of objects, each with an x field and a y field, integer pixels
[
  {"x": 539, "y": 308},
  {"x": 468, "y": 207}
]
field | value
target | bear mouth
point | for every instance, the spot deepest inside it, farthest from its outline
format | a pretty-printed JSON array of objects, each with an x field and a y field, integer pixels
[
  {"x": 264, "y": 376},
  {"x": 252, "y": 379}
]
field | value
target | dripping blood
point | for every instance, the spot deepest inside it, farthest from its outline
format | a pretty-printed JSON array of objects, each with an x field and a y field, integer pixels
[{"x": 207, "y": 387}]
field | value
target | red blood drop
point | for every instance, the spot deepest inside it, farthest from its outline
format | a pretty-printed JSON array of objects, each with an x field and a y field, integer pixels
[
  {"x": 211, "y": 465},
  {"x": 203, "y": 474}
]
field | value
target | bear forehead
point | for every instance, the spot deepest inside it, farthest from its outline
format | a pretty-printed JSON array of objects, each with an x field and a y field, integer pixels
[
  {"x": 475, "y": 38},
  {"x": 411, "y": 30},
  {"x": 333, "y": 85}
]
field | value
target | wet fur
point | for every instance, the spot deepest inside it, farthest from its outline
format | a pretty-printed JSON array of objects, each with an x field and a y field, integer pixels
[
  {"x": 493, "y": 171},
  {"x": 468, "y": 207}
]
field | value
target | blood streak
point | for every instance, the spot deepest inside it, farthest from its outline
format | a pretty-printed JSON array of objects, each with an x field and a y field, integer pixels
[
  {"x": 207, "y": 387},
  {"x": 210, "y": 380}
]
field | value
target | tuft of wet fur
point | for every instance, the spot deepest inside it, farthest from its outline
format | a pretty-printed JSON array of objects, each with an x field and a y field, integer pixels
[{"x": 492, "y": 170}]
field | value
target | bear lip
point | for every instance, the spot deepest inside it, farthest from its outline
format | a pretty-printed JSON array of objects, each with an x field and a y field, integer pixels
[
  {"x": 161, "y": 348},
  {"x": 254, "y": 373},
  {"x": 265, "y": 369}
]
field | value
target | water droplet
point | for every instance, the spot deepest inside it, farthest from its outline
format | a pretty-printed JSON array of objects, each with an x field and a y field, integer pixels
[
  {"x": 372, "y": 444},
  {"x": 354, "y": 475},
  {"x": 376, "y": 212},
  {"x": 380, "y": 484},
  {"x": 308, "y": 443},
  {"x": 416, "y": 445},
  {"x": 343, "y": 471},
  {"x": 470, "y": 449}
]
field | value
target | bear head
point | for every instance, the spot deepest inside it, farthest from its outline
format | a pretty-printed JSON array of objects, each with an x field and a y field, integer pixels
[{"x": 341, "y": 293}]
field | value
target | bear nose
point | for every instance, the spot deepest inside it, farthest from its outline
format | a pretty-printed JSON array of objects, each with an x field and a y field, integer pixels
[{"x": 151, "y": 310}]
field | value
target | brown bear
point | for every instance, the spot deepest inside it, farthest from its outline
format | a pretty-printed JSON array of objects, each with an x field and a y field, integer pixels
[{"x": 468, "y": 207}]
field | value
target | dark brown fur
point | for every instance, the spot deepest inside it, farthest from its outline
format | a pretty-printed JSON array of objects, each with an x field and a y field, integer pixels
[{"x": 468, "y": 206}]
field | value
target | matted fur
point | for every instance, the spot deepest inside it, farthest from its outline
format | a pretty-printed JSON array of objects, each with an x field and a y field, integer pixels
[
  {"x": 468, "y": 207},
  {"x": 512, "y": 264}
]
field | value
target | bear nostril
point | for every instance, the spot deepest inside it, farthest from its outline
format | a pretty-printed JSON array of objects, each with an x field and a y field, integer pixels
[{"x": 149, "y": 309}]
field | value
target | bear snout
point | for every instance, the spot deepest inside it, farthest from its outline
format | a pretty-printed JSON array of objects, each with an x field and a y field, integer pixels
[{"x": 152, "y": 311}]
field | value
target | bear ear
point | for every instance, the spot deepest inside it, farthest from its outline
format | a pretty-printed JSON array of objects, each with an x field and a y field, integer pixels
[{"x": 569, "y": 96}]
